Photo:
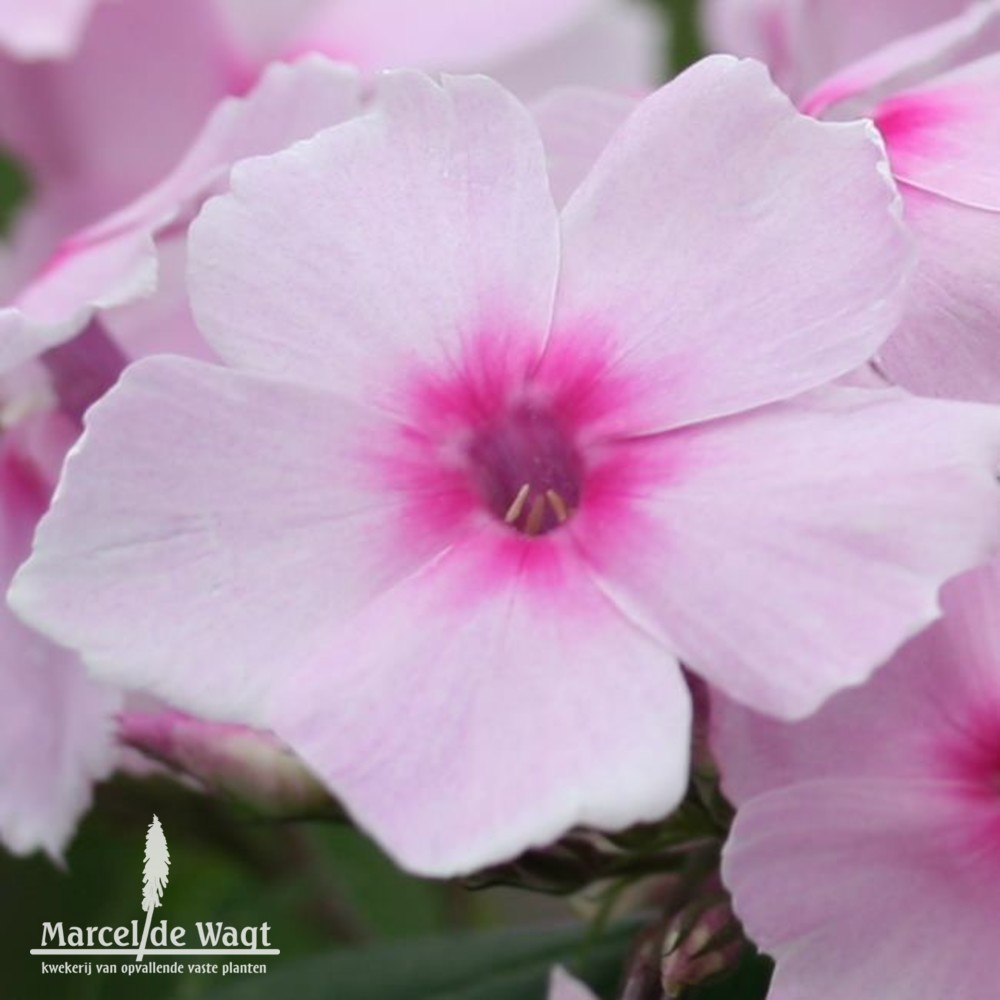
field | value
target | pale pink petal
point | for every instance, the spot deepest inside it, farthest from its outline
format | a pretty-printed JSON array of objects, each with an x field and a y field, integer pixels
[
  {"x": 864, "y": 889},
  {"x": 114, "y": 261},
  {"x": 34, "y": 238},
  {"x": 289, "y": 103},
  {"x": 844, "y": 738},
  {"x": 20, "y": 340},
  {"x": 727, "y": 288},
  {"x": 210, "y": 517},
  {"x": 402, "y": 232},
  {"x": 43, "y": 29},
  {"x": 56, "y": 740},
  {"x": 87, "y": 274},
  {"x": 896, "y": 724},
  {"x": 620, "y": 45},
  {"x": 487, "y": 704},
  {"x": 563, "y": 986},
  {"x": 949, "y": 341},
  {"x": 829, "y": 34},
  {"x": 56, "y": 733},
  {"x": 787, "y": 553},
  {"x": 576, "y": 123},
  {"x": 912, "y": 59},
  {"x": 943, "y": 137},
  {"x": 866, "y": 838}
]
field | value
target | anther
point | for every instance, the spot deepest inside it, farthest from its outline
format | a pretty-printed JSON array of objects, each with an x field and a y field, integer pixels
[
  {"x": 533, "y": 525},
  {"x": 526, "y": 469},
  {"x": 517, "y": 505},
  {"x": 558, "y": 505}
]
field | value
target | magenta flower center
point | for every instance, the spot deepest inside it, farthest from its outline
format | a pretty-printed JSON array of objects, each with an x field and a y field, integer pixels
[{"x": 527, "y": 469}]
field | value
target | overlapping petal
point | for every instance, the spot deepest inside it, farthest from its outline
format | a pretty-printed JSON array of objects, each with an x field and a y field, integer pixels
[
  {"x": 947, "y": 344},
  {"x": 114, "y": 262},
  {"x": 259, "y": 533},
  {"x": 804, "y": 528},
  {"x": 866, "y": 836},
  {"x": 806, "y": 41},
  {"x": 942, "y": 136},
  {"x": 912, "y": 59},
  {"x": 934, "y": 98},
  {"x": 576, "y": 123},
  {"x": 403, "y": 232},
  {"x": 896, "y": 724},
  {"x": 727, "y": 288},
  {"x": 863, "y": 889}
]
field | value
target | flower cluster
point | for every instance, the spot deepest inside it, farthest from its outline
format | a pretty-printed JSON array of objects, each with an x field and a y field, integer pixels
[{"x": 471, "y": 453}]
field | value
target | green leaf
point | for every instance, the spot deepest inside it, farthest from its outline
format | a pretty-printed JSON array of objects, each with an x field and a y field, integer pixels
[
  {"x": 391, "y": 903},
  {"x": 15, "y": 189},
  {"x": 499, "y": 965},
  {"x": 686, "y": 44}
]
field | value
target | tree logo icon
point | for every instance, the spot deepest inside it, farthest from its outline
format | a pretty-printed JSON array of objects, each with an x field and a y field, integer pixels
[{"x": 155, "y": 872}]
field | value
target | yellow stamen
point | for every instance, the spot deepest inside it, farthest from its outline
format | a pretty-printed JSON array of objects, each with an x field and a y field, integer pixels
[
  {"x": 514, "y": 510},
  {"x": 558, "y": 505}
]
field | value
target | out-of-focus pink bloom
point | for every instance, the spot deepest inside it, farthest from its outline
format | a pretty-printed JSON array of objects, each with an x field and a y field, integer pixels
[
  {"x": 477, "y": 476},
  {"x": 865, "y": 856},
  {"x": 563, "y": 986},
  {"x": 805, "y": 41},
  {"x": 42, "y": 29},
  {"x": 144, "y": 62},
  {"x": 246, "y": 764},
  {"x": 529, "y": 46},
  {"x": 935, "y": 97},
  {"x": 56, "y": 724},
  {"x": 75, "y": 123},
  {"x": 115, "y": 261}
]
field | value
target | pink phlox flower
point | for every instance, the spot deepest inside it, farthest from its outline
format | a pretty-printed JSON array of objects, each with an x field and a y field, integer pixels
[
  {"x": 477, "y": 474},
  {"x": 865, "y": 856}
]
